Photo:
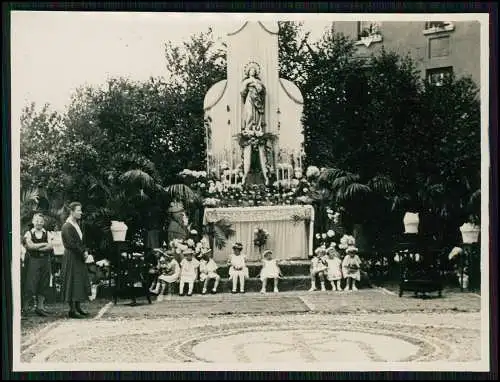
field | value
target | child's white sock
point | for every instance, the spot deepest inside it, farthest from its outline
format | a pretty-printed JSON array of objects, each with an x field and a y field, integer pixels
[
  {"x": 323, "y": 286},
  {"x": 313, "y": 286},
  {"x": 190, "y": 289}
]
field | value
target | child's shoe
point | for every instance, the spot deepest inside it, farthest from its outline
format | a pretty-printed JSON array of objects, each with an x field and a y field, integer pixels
[
  {"x": 214, "y": 291},
  {"x": 276, "y": 290},
  {"x": 262, "y": 291},
  {"x": 159, "y": 298},
  {"x": 354, "y": 288},
  {"x": 204, "y": 291}
]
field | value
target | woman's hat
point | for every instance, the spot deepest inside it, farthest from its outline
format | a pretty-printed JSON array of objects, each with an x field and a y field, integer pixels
[
  {"x": 320, "y": 250},
  {"x": 267, "y": 252},
  {"x": 351, "y": 249},
  {"x": 238, "y": 246},
  {"x": 205, "y": 251},
  {"x": 331, "y": 250}
]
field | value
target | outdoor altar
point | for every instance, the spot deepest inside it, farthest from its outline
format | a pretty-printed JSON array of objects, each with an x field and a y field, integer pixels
[
  {"x": 290, "y": 228},
  {"x": 254, "y": 141}
]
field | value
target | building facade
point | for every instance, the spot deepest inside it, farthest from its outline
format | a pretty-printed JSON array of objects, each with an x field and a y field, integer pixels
[{"x": 438, "y": 47}]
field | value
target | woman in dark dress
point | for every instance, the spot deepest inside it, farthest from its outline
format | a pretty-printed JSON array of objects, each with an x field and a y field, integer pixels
[{"x": 76, "y": 282}]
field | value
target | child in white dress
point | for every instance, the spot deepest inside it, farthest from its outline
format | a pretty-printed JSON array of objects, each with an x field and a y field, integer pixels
[
  {"x": 318, "y": 268},
  {"x": 351, "y": 268},
  {"x": 168, "y": 271},
  {"x": 334, "y": 264},
  {"x": 189, "y": 272},
  {"x": 238, "y": 270},
  {"x": 208, "y": 270},
  {"x": 270, "y": 270}
]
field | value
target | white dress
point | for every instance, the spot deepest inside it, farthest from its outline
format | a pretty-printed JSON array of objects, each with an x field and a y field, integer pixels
[
  {"x": 189, "y": 270},
  {"x": 317, "y": 265},
  {"x": 237, "y": 265},
  {"x": 270, "y": 269},
  {"x": 334, "y": 271},
  {"x": 172, "y": 272},
  {"x": 351, "y": 267},
  {"x": 208, "y": 269}
]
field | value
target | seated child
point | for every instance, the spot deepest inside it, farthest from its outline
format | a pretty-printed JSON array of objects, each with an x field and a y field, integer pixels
[
  {"x": 95, "y": 276},
  {"x": 351, "y": 268},
  {"x": 189, "y": 272},
  {"x": 238, "y": 269},
  {"x": 208, "y": 270},
  {"x": 318, "y": 268},
  {"x": 168, "y": 270},
  {"x": 334, "y": 264},
  {"x": 270, "y": 270}
]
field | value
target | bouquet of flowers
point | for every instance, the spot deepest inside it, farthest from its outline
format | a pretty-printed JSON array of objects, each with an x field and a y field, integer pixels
[
  {"x": 260, "y": 236},
  {"x": 347, "y": 241}
]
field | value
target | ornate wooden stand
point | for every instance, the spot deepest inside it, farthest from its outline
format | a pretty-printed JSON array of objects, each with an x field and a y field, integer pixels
[
  {"x": 420, "y": 267},
  {"x": 123, "y": 269}
]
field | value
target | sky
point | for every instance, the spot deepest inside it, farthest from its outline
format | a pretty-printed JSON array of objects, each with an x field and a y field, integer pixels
[{"x": 53, "y": 53}]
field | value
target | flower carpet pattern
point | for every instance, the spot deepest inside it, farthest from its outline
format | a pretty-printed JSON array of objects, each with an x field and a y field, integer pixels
[{"x": 299, "y": 329}]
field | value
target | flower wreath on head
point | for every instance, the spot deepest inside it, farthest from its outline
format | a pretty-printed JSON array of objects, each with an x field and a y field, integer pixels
[{"x": 251, "y": 64}]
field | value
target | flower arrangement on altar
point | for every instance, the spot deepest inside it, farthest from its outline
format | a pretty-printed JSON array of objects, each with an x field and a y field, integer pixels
[
  {"x": 225, "y": 193},
  {"x": 255, "y": 138},
  {"x": 260, "y": 237}
]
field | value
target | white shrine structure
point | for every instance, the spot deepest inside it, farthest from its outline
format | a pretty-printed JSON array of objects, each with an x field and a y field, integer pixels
[{"x": 254, "y": 116}]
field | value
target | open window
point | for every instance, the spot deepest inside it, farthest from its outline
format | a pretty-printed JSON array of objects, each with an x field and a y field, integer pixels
[{"x": 437, "y": 76}]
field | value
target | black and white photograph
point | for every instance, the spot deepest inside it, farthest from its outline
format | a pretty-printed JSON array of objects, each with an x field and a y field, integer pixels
[{"x": 250, "y": 191}]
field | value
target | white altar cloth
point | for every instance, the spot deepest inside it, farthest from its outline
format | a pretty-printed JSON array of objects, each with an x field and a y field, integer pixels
[{"x": 290, "y": 230}]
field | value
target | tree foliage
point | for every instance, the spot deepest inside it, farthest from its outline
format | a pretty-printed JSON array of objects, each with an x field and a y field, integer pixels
[{"x": 389, "y": 140}]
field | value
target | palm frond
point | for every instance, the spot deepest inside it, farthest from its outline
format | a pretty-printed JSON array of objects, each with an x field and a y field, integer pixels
[
  {"x": 352, "y": 191},
  {"x": 382, "y": 184},
  {"x": 328, "y": 175},
  {"x": 138, "y": 178},
  {"x": 343, "y": 181},
  {"x": 30, "y": 196},
  {"x": 98, "y": 185},
  {"x": 475, "y": 198},
  {"x": 180, "y": 192}
]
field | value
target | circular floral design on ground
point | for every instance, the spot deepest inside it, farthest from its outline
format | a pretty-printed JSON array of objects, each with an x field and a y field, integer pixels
[{"x": 270, "y": 341}]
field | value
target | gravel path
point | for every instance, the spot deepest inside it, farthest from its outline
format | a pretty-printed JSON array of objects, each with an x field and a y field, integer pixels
[{"x": 369, "y": 325}]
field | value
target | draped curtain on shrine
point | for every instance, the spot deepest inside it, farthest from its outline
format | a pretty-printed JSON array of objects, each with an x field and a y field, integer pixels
[{"x": 289, "y": 238}]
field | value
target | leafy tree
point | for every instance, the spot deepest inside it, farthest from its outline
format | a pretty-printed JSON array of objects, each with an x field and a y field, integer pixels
[
  {"x": 193, "y": 68},
  {"x": 292, "y": 53}
]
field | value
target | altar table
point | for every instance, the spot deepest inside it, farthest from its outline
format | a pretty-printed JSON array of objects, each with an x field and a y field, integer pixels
[{"x": 290, "y": 230}]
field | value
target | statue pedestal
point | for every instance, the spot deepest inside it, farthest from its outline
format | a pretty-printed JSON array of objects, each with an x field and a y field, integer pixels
[{"x": 290, "y": 230}]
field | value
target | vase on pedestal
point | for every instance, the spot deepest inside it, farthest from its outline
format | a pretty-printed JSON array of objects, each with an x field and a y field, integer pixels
[
  {"x": 410, "y": 222},
  {"x": 470, "y": 233},
  {"x": 118, "y": 230}
]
